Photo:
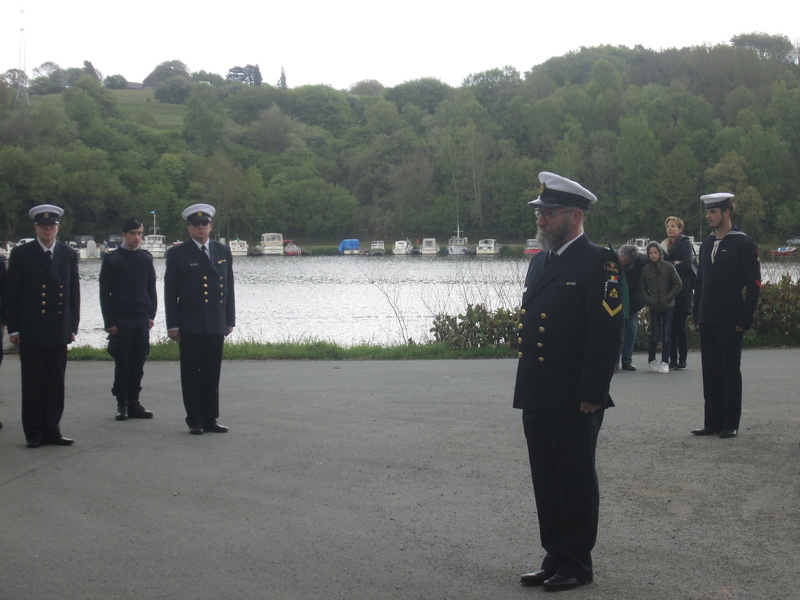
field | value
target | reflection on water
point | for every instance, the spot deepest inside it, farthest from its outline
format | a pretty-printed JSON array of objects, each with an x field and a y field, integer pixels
[{"x": 342, "y": 299}]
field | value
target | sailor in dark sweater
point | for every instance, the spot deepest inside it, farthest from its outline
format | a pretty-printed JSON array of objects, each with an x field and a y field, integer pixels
[{"x": 128, "y": 302}]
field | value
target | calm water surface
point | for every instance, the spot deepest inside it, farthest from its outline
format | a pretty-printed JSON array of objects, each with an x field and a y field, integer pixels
[{"x": 342, "y": 299}]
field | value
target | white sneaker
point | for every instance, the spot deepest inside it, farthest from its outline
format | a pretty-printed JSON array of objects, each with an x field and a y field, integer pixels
[
  {"x": 653, "y": 366},
  {"x": 663, "y": 368}
]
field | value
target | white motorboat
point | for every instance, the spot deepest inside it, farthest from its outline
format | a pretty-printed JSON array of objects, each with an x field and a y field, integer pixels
[
  {"x": 376, "y": 248},
  {"x": 85, "y": 246},
  {"x": 429, "y": 246},
  {"x": 457, "y": 245},
  {"x": 402, "y": 247},
  {"x": 239, "y": 247},
  {"x": 487, "y": 246},
  {"x": 155, "y": 245},
  {"x": 270, "y": 244}
]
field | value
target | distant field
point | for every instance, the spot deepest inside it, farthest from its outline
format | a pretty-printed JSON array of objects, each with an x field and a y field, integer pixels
[{"x": 141, "y": 105}]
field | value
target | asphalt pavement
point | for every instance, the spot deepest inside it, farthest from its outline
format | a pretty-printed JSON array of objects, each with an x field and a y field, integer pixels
[{"x": 391, "y": 480}]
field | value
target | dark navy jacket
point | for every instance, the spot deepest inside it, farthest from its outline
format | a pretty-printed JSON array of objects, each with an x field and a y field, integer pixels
[
  {"x": 43, "y": 295},
  {"x": 198, "y": 293},
  {"x": 727, "y": 290},
  {"x": 570, "y": 329}
]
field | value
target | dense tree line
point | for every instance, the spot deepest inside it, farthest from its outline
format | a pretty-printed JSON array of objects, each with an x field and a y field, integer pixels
[{"x": 648, "y": 131}]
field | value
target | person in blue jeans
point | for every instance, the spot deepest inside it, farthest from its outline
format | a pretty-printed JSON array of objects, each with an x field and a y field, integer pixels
[
  {"x": 632, "y": 262},
  {"x": 660, "y": 285}
]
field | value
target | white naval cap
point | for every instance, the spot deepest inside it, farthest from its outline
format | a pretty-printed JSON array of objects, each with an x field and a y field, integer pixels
[
  {"x": 45, "y": 213},
  {"x": 560, "y": 191},
  {"x": 718, "y": 200},
  {"x": 197, "y": 212}
]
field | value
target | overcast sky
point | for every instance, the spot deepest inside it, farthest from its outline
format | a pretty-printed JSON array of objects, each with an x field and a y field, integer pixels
[{"x": 341, "y": 43}]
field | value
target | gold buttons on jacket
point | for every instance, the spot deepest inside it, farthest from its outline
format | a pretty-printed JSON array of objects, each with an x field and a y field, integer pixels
[
  {"x": 520, "y": 354},
  {"x": 544, "y": 316},
  {"x": 523, "y": 312},
  {"x": 519, "y": 326},
  {"x": 541, "y": 329},
  {"x": 519, "y": 340},
  {"x": 539, "y": 345},
  {"x": 541, "y": 359}
]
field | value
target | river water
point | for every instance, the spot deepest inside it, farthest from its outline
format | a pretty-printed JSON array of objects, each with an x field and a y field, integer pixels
[
  {"x": 343, "y": 299},
  {"x": 380, "y": 300}
]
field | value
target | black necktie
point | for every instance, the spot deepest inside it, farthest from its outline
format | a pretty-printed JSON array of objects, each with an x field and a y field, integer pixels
[
  {"x": 205, "y": 253},
  {"x": 550, "y": 258},
  {"x": 49, "y": 254}
]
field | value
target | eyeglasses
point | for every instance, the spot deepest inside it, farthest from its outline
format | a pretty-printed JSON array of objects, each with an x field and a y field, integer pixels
[
  {"x": 548, "y": 215},
  {"x": 200, "y": 222}
]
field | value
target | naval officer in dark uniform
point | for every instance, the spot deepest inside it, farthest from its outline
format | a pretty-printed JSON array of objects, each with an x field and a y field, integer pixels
[
  {"x": 726, "y": 294},
  {"x": 128, "y": 302},
  {"x": 199, "y": 303},
  {"x": 570, "y": 334},
  {"x": 43, "y": 311}
]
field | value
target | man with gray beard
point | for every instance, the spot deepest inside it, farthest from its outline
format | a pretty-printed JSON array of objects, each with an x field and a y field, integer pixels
[{"x": 569, "y": 339}]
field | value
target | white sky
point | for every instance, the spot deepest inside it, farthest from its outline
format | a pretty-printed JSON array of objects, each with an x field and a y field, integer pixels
[{"x": 341, "y": 43}]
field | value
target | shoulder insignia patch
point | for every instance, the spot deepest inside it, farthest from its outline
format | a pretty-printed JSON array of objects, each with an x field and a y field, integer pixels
[{"x": 612, "y": 298}]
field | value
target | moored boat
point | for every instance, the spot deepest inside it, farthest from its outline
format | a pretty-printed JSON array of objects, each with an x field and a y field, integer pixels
[
  {"x": 376, "y": 248},
  {"x": 85, "y": 246},
  {"x": 487, "y": 246},
  {"x": 238, "y": 247},
  {"x": 350, "y": 246},
  {"x": 291, "y": 249},
  {"x": 784, "y": 251},
  {"x": 402, "y": 247},
  {"x": 457, "y": 245},
  {"x": 531, "y": 246},
  {"x": 155, "y": 245},
  {"x": 113, "y": 241},
  {"x": 270, "y": 244},
  {"x": 429, "y": 246}
]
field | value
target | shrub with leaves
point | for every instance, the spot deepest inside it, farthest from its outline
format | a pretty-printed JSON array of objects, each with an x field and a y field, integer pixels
[{"x": 477, "y": 327}]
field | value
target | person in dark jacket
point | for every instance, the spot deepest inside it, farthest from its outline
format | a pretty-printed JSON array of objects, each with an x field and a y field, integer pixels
[
  {"x": 725, "y": 300},
  {"x": 660, "y": 286},
  {"x": 42, "y": 314},
  {"x": 2, "y": 315},
  {"x": 570, "y": 334},
  {"x": 680, "y": 254},
  {"x": 199, "y": 303},
  {"x": 128, "y": 301},
  {"x": 631, "y": 261}
]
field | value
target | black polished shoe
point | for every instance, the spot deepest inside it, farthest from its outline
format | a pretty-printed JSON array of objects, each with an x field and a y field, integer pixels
[
  {"x": 122, "y": 410},
  {"x": 728, "y": 433},
  {"x": 137, "y": 411},
  {"x": 215, "y": 428},
  {"x": 535, "y": 578},
  {"x": 559, "y": 583},
  {"x": 59, "y": 441},
  {"x": 195, "y": 430},
  {"x": 681, "y": 366},
  {"x": 704, "y": 431},
  {"x": 33, "y": 443}
]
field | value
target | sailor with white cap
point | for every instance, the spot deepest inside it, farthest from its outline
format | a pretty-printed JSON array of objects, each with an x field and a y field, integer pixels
[
  {"x": 43, "y": 312},
  {"x": 200, "y": 308},
  {"x": 726, "y": 294},
  {"x": 569, "y": 337}
]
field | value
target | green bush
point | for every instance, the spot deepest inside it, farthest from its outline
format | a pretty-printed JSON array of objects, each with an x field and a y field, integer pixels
[{"x": 477, "y": 327}]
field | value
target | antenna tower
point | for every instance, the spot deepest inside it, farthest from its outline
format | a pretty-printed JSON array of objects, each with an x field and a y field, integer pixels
[{"x": 22, "y": 76}]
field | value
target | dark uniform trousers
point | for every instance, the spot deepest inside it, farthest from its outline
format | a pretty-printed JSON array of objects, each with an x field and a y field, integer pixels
[
  {"x": 129, "y": 347},
  {"x": 561, "y": 448},
  {"x": 43, "y": 369},
  {"x": 721, "y": 358},
  {"x": 201, "y": 363}
]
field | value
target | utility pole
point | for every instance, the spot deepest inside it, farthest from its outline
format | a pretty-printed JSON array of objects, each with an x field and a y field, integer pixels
[{"x": 22, "y": 77}]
